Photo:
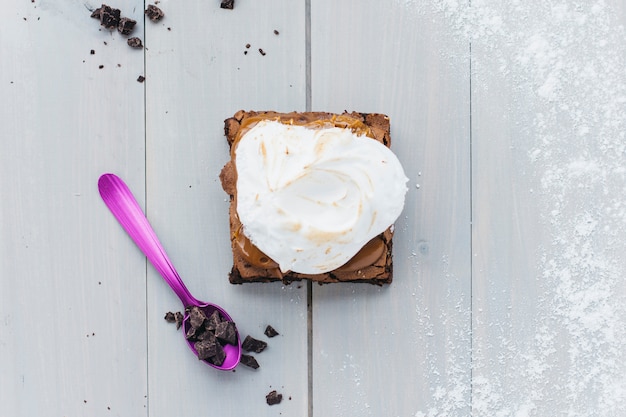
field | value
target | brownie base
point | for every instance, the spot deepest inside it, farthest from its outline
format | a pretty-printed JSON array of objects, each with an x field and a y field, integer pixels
[{"x": 379, "y": 273}]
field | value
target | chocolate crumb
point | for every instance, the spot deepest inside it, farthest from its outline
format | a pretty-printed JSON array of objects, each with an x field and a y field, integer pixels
[
  {"x": 154, "y": 13},
  {"x": 270, "y": 331},
  {"x": 273, "y": 398},
  {"x": 250, "y": 344},
  {"x": 100, "y": 66},
  {"x": 134, "y": 43},
  {"x": 245, "y": 52},
  {"x": 227, "y": 4},
  {"x": 126, "y": 26},
  {"x": 276, "y": 32},
  {"x": 169, "y": 317},
  {"x": 261, "y": 51},
  {"x": 247, "y": 46},
  {"x": 250, "y": 361},
  {"x": 92, "y": 52}
]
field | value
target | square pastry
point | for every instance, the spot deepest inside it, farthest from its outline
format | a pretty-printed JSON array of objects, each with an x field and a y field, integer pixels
[{"x": 313, "y": 195}]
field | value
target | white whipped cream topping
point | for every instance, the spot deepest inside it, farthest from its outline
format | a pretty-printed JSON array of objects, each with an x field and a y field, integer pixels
[{"x": 311, "y": 198}]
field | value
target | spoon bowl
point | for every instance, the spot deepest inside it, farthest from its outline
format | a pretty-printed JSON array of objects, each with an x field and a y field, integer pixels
[{"x": 120, "y": 200}]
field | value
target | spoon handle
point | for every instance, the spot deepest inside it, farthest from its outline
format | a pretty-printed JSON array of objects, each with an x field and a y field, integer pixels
[{"x": 126, "y": 210}]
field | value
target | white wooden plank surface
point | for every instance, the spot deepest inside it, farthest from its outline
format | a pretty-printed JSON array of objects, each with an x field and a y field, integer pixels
[
  {"x": 544, "y": 332},
  {"x": 548, "y": 115},
  {"x": 402, "y": 350},
  {"x": 197, "y": 75},
  {"x": 72, "y": 287}
]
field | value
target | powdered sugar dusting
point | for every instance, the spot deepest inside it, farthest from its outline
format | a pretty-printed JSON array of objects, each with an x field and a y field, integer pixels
[{"x": 563, "y": 68}]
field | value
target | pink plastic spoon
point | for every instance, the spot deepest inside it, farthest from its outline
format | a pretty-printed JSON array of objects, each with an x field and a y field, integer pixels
[{"x": 125, "y": 208}]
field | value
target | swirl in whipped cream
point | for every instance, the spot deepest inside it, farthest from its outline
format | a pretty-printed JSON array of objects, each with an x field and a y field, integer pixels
[{"x": 311, "y": 198}]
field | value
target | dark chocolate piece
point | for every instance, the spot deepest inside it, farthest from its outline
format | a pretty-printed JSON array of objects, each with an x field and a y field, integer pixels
[
  {"x": 126, "y": 25},
  {"x": 226, "y": 331},
  {"x": 227, "y": 4},
  {"x": 96, "y": 13},
  {"x": 270, "y": 331},
  {"x": 213, "y": 320},
  {"x": 250, "y": 344},
  {"x": 273, "y": 398},
  {"x": 249, "y": 361},
  {"x": 191, "y": 333},
  {"x": 141, "y": 79},
  {"x": 154, "y": 13},
  {"x": 219, "y": 356},
  {"x": 179, "y": 319},
  {"x": 134, "y": 42},
  {"x": 109, "y": 17},
  {"x": 196, "y": 316},
  {"x": 206, "y": 348},
  {"x": 170, "y": 317}
]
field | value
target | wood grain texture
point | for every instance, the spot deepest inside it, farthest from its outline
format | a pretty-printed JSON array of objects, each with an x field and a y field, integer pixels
[
  {"x": 198, "y": 74},
  {"x": 508, "y": 290},
  {"x": 391, "y": 351},
  {"x": 72, "y": 286}
]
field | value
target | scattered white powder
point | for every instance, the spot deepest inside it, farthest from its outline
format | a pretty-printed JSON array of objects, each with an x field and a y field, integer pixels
[{"x": 563, "y": 64}]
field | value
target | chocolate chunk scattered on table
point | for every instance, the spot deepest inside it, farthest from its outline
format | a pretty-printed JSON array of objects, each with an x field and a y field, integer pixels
[
  {"x": 126, "y": 26},
  {"x": 273, "y": 398},
  {"x": 109, "y": 17},
  {"x": 141, "y": 79},
  {"x": 227, "y": 4},
  {"x": 270, "y": 331},
  {"x": 250, "y": 361},
  {"x": 250, "y": 344},
  {"x": 169, "y": 316},
  {"x": 178, "y": 315},
  {"x": 96, "y": 13},
  {"x": 134, "y": 42},
  {"x": 154, "y": 13},
  {"x": 261, "y": 51},
  {"x": 276, "y": 32}
]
